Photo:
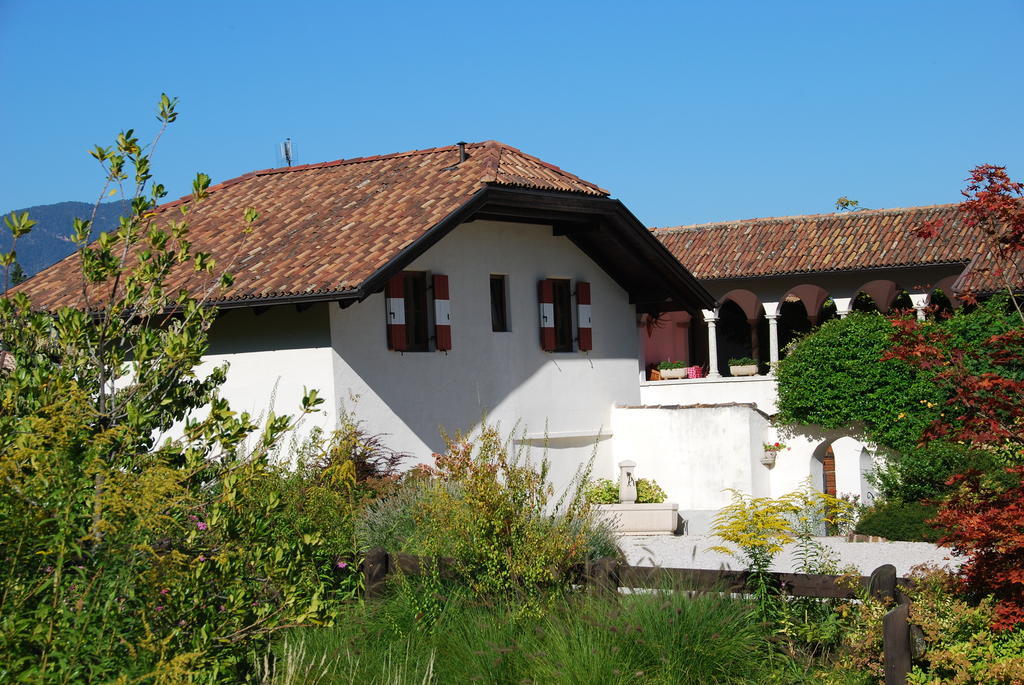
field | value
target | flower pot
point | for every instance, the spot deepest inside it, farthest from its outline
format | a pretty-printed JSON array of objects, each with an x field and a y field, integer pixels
[
  {"x": 671, "y": 374},
  {"x": 768, "y": 458},
  {"x": 746, "y": 370}
]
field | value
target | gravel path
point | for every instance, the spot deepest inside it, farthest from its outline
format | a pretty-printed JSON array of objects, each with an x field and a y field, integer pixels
[{"x": 691, "y": 551}]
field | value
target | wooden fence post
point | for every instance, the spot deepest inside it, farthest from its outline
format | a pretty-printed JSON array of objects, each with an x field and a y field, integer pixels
[
  {"x": 895, "y": 624},
  {"x": 375, "y": 572},
  {"x": 603, "y": 575}
]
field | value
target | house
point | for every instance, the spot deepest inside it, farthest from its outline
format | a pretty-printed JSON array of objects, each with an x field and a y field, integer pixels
[
  {"x": 426, "y": 290},
  {"x": 775, "y": 279}
]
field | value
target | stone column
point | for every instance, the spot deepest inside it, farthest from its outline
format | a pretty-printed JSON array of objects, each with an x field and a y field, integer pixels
[
  {"x": 771, "y": 312},
  {"x": 843, "y": 305},
  {"x": 627, "y": 482},
  {"x": 711, "y": 319},
  {"x": 920, "y": 301}
]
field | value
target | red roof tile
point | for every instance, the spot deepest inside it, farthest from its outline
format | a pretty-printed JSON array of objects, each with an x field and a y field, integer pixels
[
  {"x": 867, "y": 239},
  {"x": 326, "y": 228}
]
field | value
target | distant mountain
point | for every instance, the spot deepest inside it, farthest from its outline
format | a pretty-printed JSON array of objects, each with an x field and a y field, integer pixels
[{"x": 49, "y": 242}]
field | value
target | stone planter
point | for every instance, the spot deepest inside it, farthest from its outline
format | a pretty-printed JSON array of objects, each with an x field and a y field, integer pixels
[
  {"x": 746, "y": 370},
  {"x": 672, "y": 374},
  {"x": 768, "y": 458},
  {"x": 642, "y": 519}
]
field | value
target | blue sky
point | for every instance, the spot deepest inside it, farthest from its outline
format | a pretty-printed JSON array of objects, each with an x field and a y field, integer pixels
[{"x": 688, "y": 112}]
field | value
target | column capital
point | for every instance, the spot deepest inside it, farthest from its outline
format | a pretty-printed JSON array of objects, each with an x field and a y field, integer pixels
[
  {"x": 771, "y": 309},
  {"x": 710, "y": 315}
]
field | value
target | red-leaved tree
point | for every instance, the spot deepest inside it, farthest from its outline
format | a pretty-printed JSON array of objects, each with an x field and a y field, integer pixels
[{"x": 984, "y": 516}]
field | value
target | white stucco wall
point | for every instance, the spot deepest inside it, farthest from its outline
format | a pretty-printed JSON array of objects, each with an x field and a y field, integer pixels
[
  {"x": 272, "y": 357},
  {"x": 505, "y": 376},
  {"x": 695, "y": 453},
  {"x": 760, "y": 390}
]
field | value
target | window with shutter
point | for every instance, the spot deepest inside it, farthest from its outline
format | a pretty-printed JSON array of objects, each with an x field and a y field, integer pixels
[
  {"x": 585, "y": 337},
  {"x": 409, "y": 310},
  {"x": 555, "y": 297}
]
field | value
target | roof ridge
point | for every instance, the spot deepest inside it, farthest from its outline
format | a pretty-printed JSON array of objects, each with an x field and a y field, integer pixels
[
  {"x": 549, "y": 165},
  {"x": 785, "y": 219}
]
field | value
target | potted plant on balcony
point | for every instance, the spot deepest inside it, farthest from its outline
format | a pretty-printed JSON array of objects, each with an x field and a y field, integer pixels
[
  {"x": 672, "y": 370},
  {"x": 771, "y": 452},
  {"x": 743, "y": 366}
]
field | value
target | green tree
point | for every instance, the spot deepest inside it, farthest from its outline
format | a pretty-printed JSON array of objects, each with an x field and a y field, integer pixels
[{"x": 144, "y": 530}]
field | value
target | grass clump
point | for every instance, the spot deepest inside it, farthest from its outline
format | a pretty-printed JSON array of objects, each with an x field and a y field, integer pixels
[{"x": 654, "y": 637}]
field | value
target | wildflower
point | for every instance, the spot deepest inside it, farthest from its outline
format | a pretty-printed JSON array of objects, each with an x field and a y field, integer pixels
[
  {"x": 159, "y": 607},
  {"x": 201, "y": 558},
  {"x": 164, "y": 591},
  {"x": 342, "y": 564},
  {"x": 201, "y": 525}
]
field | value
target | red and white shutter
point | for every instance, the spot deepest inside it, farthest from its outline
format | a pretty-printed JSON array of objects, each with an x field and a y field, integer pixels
[
  {"x": 442, "y": 314},
  {"x": 546, "y": 298},
  {"x": 586, "y": 338},
  {"x": 394, "y": 294}
]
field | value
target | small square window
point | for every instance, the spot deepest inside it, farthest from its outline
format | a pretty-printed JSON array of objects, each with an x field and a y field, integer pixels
[{"x": 499, "y": 303}]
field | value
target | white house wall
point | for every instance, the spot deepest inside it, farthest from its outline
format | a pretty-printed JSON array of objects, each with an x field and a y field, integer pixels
[
  {"x": 503, "y": 375},
  {"x": 696, "y": 454},
  {"x": 272, "y": 358}
]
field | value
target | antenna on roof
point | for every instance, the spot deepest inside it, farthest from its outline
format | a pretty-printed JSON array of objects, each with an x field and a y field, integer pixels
[{"x": 286, "y": 152}]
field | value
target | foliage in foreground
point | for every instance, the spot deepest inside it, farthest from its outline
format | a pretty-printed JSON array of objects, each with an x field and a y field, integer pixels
[
  {"x": 129, "y": 556},
  {"x": 657, "y": 637},
  {"x": 495, "y": 513},
  {"x": 961, "y": 646}
]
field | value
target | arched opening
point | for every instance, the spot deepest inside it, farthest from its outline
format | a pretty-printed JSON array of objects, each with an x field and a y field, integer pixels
[
  {"x": 877, "y": 296},
  {"x": 902, "y": 304},
  {"x": 742, "y": 329},
  {"x": 734, "y": 334},
  {"x": 794, "y": 322}
]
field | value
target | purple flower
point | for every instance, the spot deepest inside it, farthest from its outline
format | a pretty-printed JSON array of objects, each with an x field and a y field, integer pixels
[
  {"x": 201, "y": 558},
  {"x": 159, "y": 607},
  {"x": 201, "y": 526},
  {"x": 164, "y": 591},
  {"x": 342, "y": 564}
]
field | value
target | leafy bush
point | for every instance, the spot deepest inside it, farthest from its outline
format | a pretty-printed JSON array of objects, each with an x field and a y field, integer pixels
[
  {"x": 649, "y": 492},
  {"x": 961, "y": 646},
  {"x": 492, "y": 511},
  {"x": 895, "y": 520},
  {"x": 742, "y": 361},
  {"x": 834, "y": 378},
  {"x": 606, "y": 491},
  {"x": 662, "y": 366},
  {"x": 985, "y": 522},
  {"x": 126, "y": 556}
]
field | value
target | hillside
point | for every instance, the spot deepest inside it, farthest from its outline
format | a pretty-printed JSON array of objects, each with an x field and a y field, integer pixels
[{"x": 49, "y": 242}]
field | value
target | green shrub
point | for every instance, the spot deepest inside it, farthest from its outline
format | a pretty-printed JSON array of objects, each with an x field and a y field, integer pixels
[
  {"x": 742, "y": 361},
  {"x": 834, "y": 378},
  {"x": 671, "y": 365},
  {"x": 606, "y": 491},
  {"x": 894, "y": 520},
  {"x": 649, "y": 492},
  {"x": 127, "y": 556}
]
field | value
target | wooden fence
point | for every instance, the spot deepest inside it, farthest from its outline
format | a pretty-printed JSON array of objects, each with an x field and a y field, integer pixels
[{"x": 609, "y": 575}]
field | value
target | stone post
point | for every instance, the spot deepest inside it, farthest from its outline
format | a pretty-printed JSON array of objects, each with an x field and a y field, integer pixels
[
  {"x": 627, "y": 482},
  {"x": 771, "y": 312},
  {"x": 843, "y": 305},
  {"x": 920, "y": 301},
  {"x": 711, "y": 319}
]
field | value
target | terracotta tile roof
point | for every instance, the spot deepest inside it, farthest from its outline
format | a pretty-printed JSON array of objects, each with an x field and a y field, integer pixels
[
  {"x": 326, "y": 228},
  {"x": 867, "y": 239}
]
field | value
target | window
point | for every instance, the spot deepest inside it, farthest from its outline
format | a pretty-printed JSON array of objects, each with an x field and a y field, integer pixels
[
  {"x": 417, "y": 336},
  {"x": 499, "y": 303},
  {"x": 418, "y": 312},
  {"x": 562, "y": 296}
]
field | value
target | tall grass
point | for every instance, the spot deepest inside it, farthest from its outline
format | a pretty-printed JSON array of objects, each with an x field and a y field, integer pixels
[{"x": 652, "y": 637}]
